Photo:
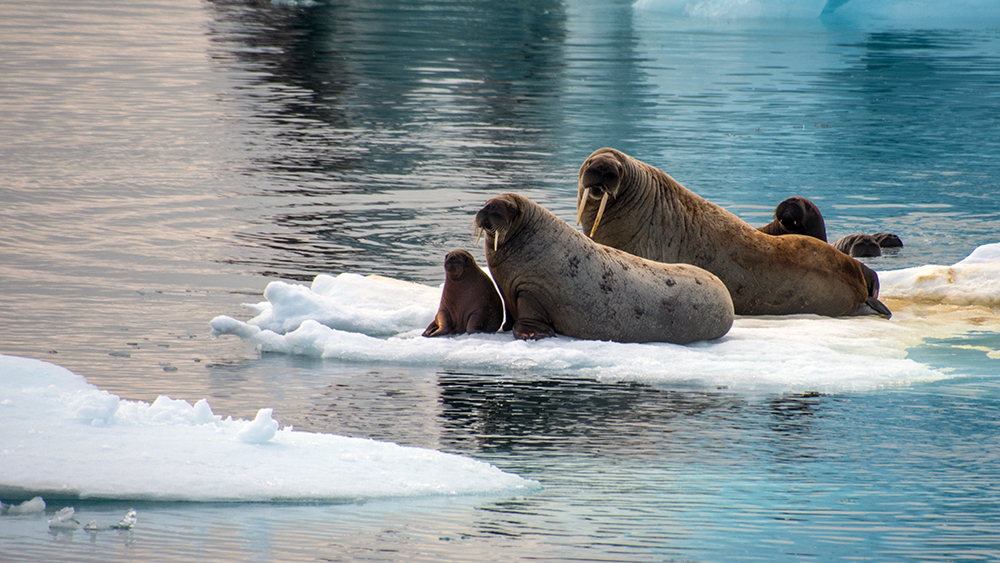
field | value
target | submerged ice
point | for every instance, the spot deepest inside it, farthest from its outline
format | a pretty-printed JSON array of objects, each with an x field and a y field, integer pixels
[
  {"x": 374, "y": 319},
  {"x": 64, "y": 438}
]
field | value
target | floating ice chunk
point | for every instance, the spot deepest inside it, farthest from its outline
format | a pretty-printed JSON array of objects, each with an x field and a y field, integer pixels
[
  {"x": 32, "y": 506},
  {"x": 64, "y": 519},
  {"x": 260, "y": 430},
  {"x": 127, "y": 521}
]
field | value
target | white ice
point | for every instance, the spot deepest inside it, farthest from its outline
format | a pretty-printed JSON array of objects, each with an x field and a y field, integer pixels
[
  {"x": 773, "y": 354},
  {"x": 33, "y": 506},
  {"x": 64, "y": 437}
]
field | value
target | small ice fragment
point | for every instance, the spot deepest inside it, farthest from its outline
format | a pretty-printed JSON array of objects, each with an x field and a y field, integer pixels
[
  {"x": 260, "y": 430},
  {"x": 92, "y": 526},
  {"x": 128, "y": 521},
  {"x": 64, "y": 519},
  {"x": 32, "y": 506}
]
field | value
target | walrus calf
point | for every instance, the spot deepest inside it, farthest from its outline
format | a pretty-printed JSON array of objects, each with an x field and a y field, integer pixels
[
  {"x": 469, "y": 300},
  {"x": 643, "y": 211},
  {"x": 796, "y": 216},
  {"x": 555, "y": 280}
]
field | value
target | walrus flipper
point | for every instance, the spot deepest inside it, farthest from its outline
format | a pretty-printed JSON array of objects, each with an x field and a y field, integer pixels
[
  {"x": 871, "y": 306},
  {"x": 532, "y": 329},
  {"x": 871, "y": 280},
  {"x": 438, "y": 327}
]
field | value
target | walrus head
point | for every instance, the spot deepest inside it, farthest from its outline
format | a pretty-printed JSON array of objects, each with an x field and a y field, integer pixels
[
  {"x": 800, "y": 216},
  {"x": 496, "y": 217},
  {"x": 858, "y": 245},
  {"x": 600, "y": 177},
  {"x": 457, "y": 262}
]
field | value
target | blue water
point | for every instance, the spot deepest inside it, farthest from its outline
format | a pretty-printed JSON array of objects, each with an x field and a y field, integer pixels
[{"x": 160, "y": 162}]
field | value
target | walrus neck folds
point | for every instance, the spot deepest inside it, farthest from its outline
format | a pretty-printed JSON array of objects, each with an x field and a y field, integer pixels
[{"x": 647, "y": 202}]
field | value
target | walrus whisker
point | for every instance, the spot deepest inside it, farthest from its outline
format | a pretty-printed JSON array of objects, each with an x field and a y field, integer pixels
[
  {"x": 581, "y": 204},
  {"x": 600, "y": 212}
]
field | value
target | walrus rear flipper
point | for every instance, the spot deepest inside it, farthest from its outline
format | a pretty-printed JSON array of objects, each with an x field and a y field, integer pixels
[
  {"x": 871, "y": 306},
  {"x": 532, "y": 329},
  {"x": 871, "y": 280}
]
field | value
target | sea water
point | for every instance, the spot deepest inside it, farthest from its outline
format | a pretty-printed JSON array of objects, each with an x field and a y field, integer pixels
[{"x": 228, "y": 219}]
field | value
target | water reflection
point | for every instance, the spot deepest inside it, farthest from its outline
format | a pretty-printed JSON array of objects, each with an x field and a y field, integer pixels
[
  {"x": 385, "y": 127},
  {"x": 377, "y": 131}
]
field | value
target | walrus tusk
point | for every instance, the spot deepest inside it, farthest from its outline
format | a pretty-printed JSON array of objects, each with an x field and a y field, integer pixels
[
  {"x": 479, "y": 233},
  {"x": 600, "y": 212},
  {"x": 581, "y": 204},
  {"x": 496, "y": 237}
]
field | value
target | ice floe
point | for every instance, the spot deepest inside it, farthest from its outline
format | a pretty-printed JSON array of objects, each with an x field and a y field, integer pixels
[
  {"x": 64, "y": 438},
  {"x": 374, "y": 319}
]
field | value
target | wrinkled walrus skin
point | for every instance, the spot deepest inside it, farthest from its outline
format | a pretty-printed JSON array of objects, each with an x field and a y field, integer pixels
[
  {"x": 554, "y": 280},
  {"x": 469, "y": 301},
  {"x": 649, "y": 214}
]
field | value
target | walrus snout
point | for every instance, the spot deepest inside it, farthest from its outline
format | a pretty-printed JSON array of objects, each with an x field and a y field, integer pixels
[
  {"x": 791, "y": 214},
  {"x": 599, "y": 178},
  {"x": 602, "y": 175}
]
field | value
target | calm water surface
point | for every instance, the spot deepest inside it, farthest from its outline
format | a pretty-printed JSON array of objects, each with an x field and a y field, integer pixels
[{"x": 160, "y": 162}]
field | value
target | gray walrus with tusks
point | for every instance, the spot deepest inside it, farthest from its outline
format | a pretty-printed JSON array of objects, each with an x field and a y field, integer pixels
[
  {"x": 554, "y": 280},
  {"x": 630, "y": 205}
]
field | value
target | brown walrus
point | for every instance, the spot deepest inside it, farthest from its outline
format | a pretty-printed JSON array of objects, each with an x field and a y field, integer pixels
[
  {"x": 645, "y": 212},
  {"x": 796, "y": 216},
  {"x": 799, "y": 216},
  {"x": 858, "y": 245},
  {"x": 888, "y": 240},
  {"x": 469, "y": 300},
  {"x": 555, "y": 280}
]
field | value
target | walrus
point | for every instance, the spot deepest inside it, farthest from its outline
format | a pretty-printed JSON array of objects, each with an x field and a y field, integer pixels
[
  {"x": 858, "y": 245},
  {"x": 796, "y": 216},
  {"x": 888, "y": 240},
  {"x": 643, "y": 211},
  {"x": 554, "y": 280},
  {"x": 469, "y": 301}
]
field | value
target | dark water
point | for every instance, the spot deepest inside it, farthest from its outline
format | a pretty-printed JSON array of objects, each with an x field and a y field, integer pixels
[{"x": 160, "y": 162}]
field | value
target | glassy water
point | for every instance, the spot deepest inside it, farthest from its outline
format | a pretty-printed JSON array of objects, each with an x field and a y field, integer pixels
[{"x": 161, "y": 162}]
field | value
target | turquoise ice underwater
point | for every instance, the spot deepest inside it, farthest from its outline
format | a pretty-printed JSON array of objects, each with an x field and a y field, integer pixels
[{"x": 790, "y": 438}]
